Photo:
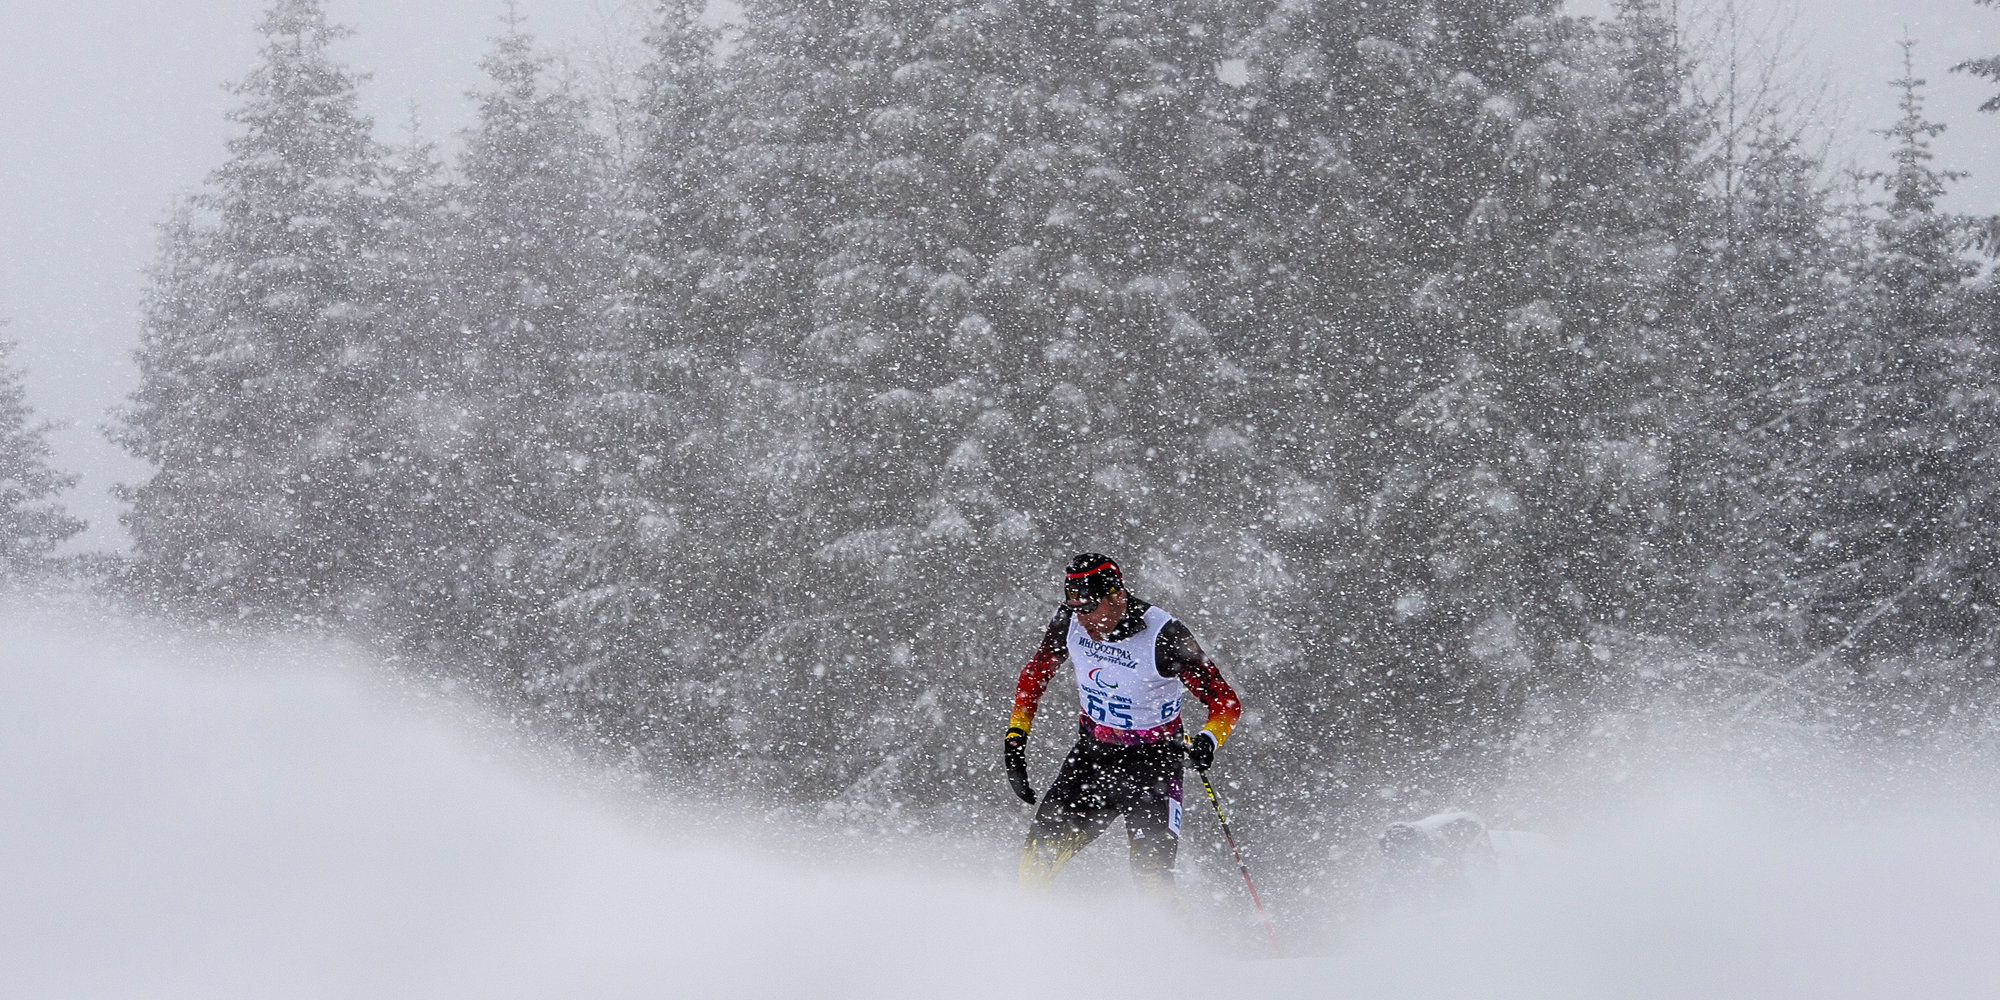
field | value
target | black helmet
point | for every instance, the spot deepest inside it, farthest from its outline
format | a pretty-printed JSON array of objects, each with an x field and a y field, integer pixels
[{"x": 1091, "y": 577}]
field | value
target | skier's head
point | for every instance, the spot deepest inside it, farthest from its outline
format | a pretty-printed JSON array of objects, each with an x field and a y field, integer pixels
[{"x": 1090, "y": 579}]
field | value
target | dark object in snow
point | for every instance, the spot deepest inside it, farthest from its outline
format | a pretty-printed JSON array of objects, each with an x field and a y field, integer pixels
[{"x": 1443, "y": 858}]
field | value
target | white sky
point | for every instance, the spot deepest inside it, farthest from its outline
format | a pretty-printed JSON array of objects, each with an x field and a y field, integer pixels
[{"x": 110, "y": 108}]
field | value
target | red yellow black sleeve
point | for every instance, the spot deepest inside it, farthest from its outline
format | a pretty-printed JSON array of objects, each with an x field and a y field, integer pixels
[
  {"x": 1035, "y": 676},
  {"x": 1206, "y": 682}
]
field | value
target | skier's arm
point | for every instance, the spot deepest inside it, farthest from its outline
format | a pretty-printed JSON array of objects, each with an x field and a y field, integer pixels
[
  {"x": 1027, "y": 697},
  {"x": 1178, "y": 653},
  {"x": 1223, "y": 708},
  {"x": 1035, "y": 676}
]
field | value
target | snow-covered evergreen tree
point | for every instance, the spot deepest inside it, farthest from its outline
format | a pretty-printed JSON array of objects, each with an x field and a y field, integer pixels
[
  {"x": 1988, "y": 66},
  {"x": 645, "y": 589},
  {"x": 1888, "y": 522},
  {"x": 531, "y": 259},
  {"x": 420, "y": 426},
  {"x": 32, "y": 521},
  {"x": 1467, "y": 236},
  {"x": 261, "y": 363},
  {"x": 1770, "y": 304}
]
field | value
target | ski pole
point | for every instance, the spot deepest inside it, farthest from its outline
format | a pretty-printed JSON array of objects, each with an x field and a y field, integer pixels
[{"x": 1216, "y": 801}]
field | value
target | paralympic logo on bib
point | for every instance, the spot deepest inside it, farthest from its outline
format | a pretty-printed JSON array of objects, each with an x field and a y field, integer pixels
[{"x": 1099, "y": 681}]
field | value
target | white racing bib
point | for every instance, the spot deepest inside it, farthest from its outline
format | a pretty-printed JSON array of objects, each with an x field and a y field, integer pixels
[{"x": 1119, "y": 686}]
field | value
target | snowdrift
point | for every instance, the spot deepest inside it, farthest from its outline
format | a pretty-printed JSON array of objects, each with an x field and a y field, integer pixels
[{"x": 183, "y": 819}]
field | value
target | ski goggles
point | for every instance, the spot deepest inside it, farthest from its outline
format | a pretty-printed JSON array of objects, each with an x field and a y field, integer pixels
[
  {"x": 1083, "y": 605},
  {"x": 1085, "y": 599}
]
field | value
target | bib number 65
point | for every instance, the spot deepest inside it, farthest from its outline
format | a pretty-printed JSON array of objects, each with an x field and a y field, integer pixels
[{"x": 1115, "y": 710}]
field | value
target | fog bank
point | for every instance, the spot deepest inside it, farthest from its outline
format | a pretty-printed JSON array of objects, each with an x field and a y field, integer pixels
[{"x": 273, "y": 820}]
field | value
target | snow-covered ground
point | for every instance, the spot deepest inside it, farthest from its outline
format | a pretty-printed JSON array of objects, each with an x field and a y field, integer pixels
[{"x": 181, "y": 819}]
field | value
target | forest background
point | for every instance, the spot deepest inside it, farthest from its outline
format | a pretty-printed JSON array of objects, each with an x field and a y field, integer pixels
[{"x": 1462, "y": 371}]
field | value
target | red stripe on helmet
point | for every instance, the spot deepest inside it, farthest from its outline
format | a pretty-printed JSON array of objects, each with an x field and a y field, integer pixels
[{"x": 1094, "y": 570}]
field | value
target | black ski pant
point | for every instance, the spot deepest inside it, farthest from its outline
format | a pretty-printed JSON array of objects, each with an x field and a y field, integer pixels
[{"x": 1100, "y": 782}]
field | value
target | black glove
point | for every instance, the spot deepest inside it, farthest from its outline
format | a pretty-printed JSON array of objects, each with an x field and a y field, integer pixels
[
  {"x": 1201, "y": 750},
  {"x": 1017, "y": 765}
]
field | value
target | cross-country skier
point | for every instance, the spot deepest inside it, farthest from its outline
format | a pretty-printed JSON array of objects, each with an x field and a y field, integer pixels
[{"x": 1132, "y": 661}]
